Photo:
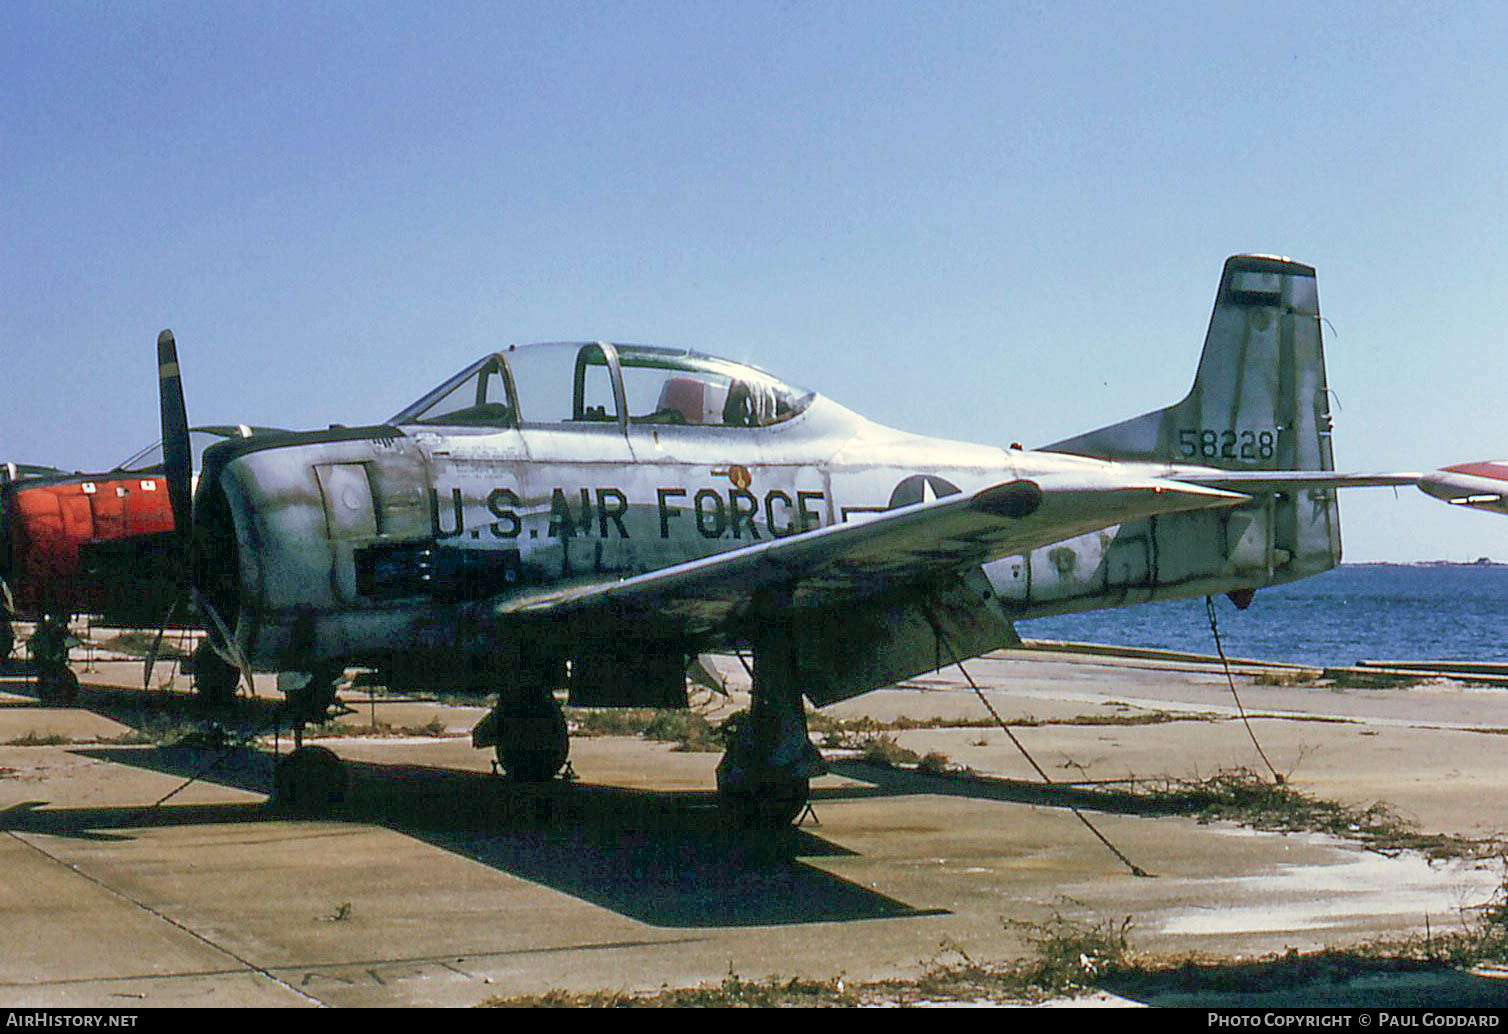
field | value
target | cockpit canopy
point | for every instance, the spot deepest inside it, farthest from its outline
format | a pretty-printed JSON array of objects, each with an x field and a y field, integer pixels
[{"x": 600, "y": 383}]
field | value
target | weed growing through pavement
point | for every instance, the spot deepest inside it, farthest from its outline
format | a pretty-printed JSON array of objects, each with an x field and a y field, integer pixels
[
  {"x": 35, "y": 739},
  {"x": 1069, "y": 957},
  {"x": 1241, "y": 795},
  {"x": 687, "y": 729}
]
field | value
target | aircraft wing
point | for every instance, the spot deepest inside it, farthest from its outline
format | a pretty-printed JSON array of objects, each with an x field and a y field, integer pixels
[
  {"x": 1482, "y": 485},
  {"x": 853, "y": 561}
]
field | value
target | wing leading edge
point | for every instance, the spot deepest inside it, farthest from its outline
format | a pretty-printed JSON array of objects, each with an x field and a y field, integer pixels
[{"x": 847, "y": 563}]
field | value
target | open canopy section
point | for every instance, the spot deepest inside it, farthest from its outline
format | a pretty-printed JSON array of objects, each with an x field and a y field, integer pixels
[
  {"x": 599, "y": 383},
  {"x": 200, "y": 439},
  {"x": 666, "y": 386}
]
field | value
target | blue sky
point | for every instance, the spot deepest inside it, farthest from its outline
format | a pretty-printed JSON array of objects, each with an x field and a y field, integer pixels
[{"x": 991, "y": 221}]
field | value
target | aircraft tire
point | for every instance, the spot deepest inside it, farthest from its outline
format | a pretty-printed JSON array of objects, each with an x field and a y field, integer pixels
[
  {"x": 215, "y": 681},
  {"x": 310, "y": 781},
  {"x": 533, "y": 741},
  {"x": 770, "y": 805},
  {"x": 57, "y": 685}
]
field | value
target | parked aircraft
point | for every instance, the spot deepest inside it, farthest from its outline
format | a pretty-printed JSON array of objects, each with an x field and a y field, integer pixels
[
  {"x": 589, "y": 515},
  {"x": 101, "y": 544},
  {"x": 1482, "y": 485},
  {"x": 11, "y": 473}
]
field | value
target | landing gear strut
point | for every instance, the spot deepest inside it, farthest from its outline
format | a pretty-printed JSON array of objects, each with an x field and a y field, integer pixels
[
  {"x": 310, "y": 780},
  {"x": 56, "y": 682},
  {"x": 764, "y": 780}
]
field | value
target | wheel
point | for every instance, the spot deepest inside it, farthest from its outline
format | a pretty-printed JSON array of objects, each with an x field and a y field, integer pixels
[
  {"x": 769, "y": 805},
  {"x": 49, "y": 643},
  {"x": 215, "y": 680},
  {"x": 309, "y": 781},
  {"x": 764, "y": 779},
  {"x": 57, "y": 684},
  {"x": 532, "y": 740}
]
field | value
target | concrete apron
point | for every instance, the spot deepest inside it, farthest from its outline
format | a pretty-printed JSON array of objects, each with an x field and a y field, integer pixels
[{"x": 443, "y": 886}]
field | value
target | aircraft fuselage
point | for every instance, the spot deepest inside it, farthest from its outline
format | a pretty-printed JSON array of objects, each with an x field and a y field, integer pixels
[{"x": 354, "y": 543}]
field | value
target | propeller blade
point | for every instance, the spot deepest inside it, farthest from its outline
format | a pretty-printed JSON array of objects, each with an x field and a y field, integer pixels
[
  {"x": 178, "y": 461},
  {"x": 177, "y": 455}
]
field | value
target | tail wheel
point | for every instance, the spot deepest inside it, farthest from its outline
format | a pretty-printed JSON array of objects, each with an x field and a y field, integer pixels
[{"x": 309, "y": 781}]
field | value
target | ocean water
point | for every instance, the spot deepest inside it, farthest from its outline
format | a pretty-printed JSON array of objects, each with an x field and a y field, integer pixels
[{"x": 1437, "y": 612}]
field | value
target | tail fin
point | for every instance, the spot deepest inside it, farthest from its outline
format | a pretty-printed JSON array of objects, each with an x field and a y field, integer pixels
[
  {"x": 1259, "y": 400},
  {"x": 1259, "y": 403}
]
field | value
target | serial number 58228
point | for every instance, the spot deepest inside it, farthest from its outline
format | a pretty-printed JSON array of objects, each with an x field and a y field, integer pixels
[{"x": 1209, "y": 443}]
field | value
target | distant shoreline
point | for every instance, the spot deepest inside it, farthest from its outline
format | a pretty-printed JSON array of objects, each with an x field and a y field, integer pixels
[{"x": 1481, "y": 562}]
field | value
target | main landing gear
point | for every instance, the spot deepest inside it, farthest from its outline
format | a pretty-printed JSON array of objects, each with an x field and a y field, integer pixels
[
  {"x": 527, "y": 730},
  {"x": 56, "y": 682},
  {"x": 764, "y": 779},
  {"x": 310, "y": 780}
]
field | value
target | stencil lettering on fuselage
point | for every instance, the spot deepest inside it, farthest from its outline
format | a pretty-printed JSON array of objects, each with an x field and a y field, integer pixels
[{"x": 605, "y": 513}]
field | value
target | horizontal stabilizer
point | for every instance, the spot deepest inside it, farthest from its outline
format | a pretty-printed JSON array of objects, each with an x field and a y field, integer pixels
[{"x": 1288, "y": 480}]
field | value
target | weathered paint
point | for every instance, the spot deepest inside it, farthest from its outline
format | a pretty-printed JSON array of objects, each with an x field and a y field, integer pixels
[{"x": 358, "y": 543}]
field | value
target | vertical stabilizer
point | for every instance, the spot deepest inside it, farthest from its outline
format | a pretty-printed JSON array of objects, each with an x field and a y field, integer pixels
[
  {"x": 1259, "y": 403},
  {"x": 1259, "y": 400}
]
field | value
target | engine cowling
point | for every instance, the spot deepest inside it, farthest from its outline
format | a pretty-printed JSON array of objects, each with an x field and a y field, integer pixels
[{"x": 281, "y": 526}]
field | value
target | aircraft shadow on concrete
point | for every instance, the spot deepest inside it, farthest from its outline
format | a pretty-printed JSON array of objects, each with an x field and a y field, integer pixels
[
  {"x": 893, "y": 782},
  {"x": 662, "y": 858}
]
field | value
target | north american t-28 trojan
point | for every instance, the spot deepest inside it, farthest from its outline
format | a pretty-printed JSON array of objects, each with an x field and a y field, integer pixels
[{"x": 589, "y": 516}]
